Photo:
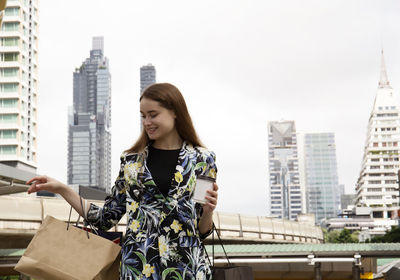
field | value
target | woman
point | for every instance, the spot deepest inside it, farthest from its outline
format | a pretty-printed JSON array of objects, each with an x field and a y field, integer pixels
[{"x": 154, "y": 187}]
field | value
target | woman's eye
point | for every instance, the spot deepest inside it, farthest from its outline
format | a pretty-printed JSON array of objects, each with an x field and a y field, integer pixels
[{"x": 153, "y": 115}]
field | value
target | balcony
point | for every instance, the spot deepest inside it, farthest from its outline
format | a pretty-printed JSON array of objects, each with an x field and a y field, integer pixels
[
  {"x": 9, "y": 79},
  {"x": 9, "y": 126},
  {"x": 5, "y": 110},
  {"x": 13, "y": 141}
]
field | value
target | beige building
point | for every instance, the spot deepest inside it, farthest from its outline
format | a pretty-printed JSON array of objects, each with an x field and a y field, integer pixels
[{"x": 19, "y": 84}]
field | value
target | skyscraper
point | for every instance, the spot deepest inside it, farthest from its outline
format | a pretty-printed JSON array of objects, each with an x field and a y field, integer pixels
[
  {"x": 19, "y": 84},
  {"x": 285, "y": 191},
  {"x": 89, "y": 134},
  {"x": 377, "y": 183},
  {"x": 321, "y": 177},
  {"x": 147, "y": 76}
]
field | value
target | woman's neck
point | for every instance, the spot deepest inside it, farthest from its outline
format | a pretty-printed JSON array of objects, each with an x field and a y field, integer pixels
[{"x": 173, "y": 142}]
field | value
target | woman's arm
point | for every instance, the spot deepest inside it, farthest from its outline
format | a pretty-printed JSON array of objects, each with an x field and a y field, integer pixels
[
  {"x": 45, "y": 183},
  {"x": 206, "y": 221}
]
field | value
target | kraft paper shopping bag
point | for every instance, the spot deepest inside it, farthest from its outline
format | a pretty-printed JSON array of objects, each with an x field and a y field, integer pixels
[{"x": 58, "y": 253}]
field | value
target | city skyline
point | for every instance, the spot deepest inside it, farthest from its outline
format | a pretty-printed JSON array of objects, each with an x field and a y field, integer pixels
[{"x": 265, "y": 61}]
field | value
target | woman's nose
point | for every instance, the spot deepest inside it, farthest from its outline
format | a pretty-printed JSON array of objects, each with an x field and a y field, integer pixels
[{"x": 146, "y": 121}]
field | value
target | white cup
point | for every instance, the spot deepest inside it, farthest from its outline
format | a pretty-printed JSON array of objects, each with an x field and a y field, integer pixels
[{"x": 203, "y": 183}]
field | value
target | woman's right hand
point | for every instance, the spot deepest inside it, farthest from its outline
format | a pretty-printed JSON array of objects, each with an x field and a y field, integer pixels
[{"x": 45, "y": 183}]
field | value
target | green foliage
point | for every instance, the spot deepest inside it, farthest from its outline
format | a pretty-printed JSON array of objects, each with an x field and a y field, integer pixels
[
  {"x": 391, "y": 236},
  {"x": 340, "y": 236}
]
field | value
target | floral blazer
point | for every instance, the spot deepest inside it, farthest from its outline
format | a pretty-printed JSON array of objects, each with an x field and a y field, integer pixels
[{"x": 162, "y": 238}]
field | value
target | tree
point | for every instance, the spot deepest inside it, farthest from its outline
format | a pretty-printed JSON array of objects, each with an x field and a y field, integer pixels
[
  {"x": 340, "y": 236},
  {"x": 391, "y": 236}
]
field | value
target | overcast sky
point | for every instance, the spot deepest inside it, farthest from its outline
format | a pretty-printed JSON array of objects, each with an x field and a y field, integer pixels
[{"x": 239, "y": 64}]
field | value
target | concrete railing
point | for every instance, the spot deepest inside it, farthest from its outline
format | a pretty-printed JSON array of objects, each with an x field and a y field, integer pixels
[{"x": 23, "y": 216}]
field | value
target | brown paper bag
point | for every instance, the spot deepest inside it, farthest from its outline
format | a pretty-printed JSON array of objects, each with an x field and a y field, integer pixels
[{"x": 56, "y": 253}]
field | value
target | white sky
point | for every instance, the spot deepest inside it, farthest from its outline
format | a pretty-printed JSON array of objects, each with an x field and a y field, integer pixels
[{"x": 239, "y": 64}]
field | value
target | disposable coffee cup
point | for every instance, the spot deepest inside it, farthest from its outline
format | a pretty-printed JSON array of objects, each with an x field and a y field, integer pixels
[{"x": 203, "y": 183}]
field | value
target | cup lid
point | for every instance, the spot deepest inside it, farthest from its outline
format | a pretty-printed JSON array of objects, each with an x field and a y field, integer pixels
[{"x": 204, "y": 177}]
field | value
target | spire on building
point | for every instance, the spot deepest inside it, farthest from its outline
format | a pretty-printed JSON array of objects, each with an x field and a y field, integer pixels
[{"x": 384, "y": 81}]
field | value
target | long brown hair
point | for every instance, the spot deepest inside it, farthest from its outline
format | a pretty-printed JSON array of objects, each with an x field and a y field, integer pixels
[{"x": 170, "y": 98}]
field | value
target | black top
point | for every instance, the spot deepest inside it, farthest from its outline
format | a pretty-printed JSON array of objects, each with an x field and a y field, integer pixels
[{"x": 162, "y": 164}]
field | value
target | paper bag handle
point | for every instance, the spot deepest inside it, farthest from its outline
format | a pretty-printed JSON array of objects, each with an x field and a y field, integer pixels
[{"x": 84, "y": 218}]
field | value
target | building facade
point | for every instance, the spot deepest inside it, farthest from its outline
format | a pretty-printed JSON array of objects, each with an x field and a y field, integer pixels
[
  {"x": 19, "y": 84},
  {"x": 147, "y": 76},
  {"x": 89, "y": 133},
  {"x": 377, "y": 183},
  {"x": 321, "y": 176},
  {"x": 284, "y": 190}
]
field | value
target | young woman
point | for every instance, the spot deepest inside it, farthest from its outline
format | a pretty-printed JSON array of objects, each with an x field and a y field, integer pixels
[{"x": 154, "y": 188}]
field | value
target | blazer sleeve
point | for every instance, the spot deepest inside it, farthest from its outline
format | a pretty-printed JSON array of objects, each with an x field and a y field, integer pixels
[
  {"x": 114, "y": 207},
  {"x": 209, "y": 170}
]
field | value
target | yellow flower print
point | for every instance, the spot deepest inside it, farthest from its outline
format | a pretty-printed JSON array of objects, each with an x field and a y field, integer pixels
[
  {"x": 178, "y": 177},
  {"x": 148, "y": 270},
  {"x": 199, "y": 275},
  {"x": 212, "y": 173},
  {"x": 133, "y": 206},
  {"x": 176, "y": 226},
  {"x": 163, "y": 247},
  {"x": 131, "y": 170},
  {"x": 134, "y": 226}
]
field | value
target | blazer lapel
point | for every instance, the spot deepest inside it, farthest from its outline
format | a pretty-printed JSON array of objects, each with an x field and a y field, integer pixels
[{"x": 180, "y": 178}]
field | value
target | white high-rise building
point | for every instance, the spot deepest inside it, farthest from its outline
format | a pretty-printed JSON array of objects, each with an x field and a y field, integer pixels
[
  {"x": 19, "y": 84},
  {"x": 286, "y": 199},
  {"x": 377, "y": 184}
]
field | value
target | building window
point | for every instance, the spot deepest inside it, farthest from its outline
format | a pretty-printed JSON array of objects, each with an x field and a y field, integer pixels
[
  {"x": 9, "y": 42},
  {"x": 14, "y": 11},
  {"x": 374, "y": 182},
  {"x": 9, "y": 87},
  {"x": 8, "y": 72},
  {"x": 8, "y": 118},
  {"x": 9, "y": 57},
  {"x": 374, "y": 189},
  {"x": 374, "y": 197},
  {"x": 8, "y": 150},
  {"x": 390, "y": 182},
  {"x": 8, "y": 103},
  {"x": 10, "y": 26},
  {"x": 8, "y": 134}
]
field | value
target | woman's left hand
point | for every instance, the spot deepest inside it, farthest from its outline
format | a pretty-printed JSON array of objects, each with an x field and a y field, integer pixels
[{"x": 212, "y": 197}]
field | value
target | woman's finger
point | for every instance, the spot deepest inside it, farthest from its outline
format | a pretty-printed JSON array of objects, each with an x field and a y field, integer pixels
[
  {"x": 211, "y": 199},
  {"x": 37, "y": 178},
  {"x": 215, "y": 187},
  {"x": 212, "y": 193}
]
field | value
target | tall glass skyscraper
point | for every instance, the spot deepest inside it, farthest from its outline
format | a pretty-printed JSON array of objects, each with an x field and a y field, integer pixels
[
  {"x": 19, "y": 84},
  {"x": 377, "y": 185},
  {"x": 147, "y": 76},
  {"x": 285, "y": 191},
  {"x": 89, "y": 134},
  {"x": 321, "y": 177}
]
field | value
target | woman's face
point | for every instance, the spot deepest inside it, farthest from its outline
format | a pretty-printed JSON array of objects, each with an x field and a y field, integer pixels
[{"x": 158, "y": 122}]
